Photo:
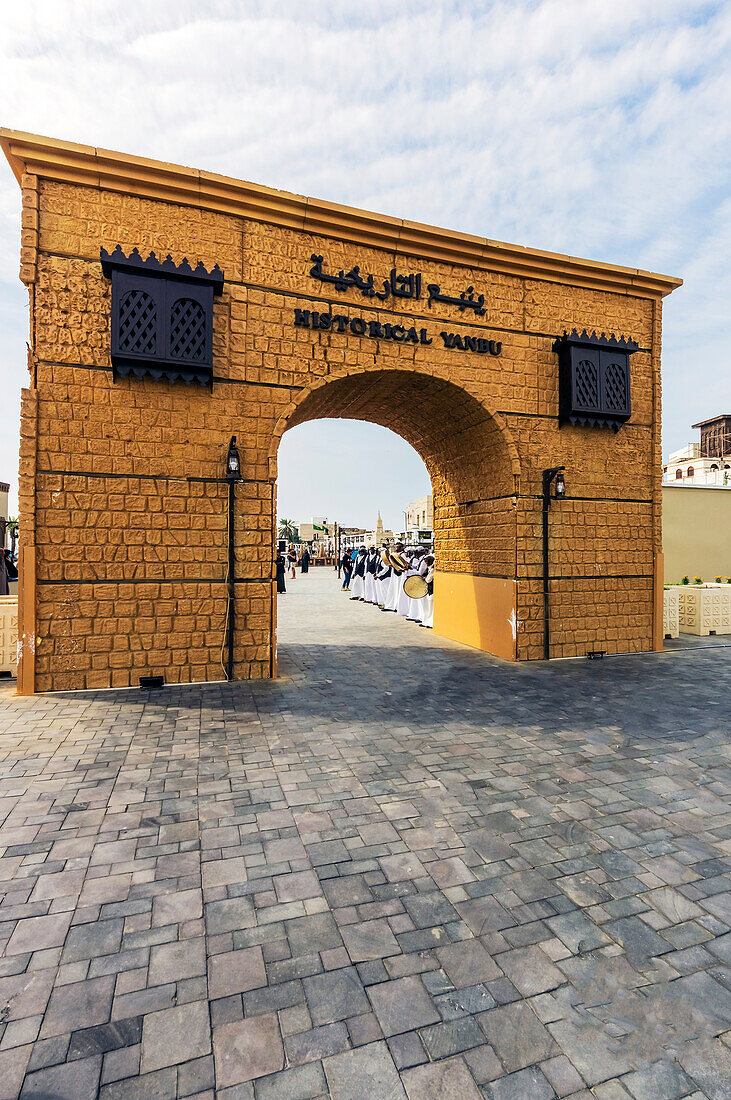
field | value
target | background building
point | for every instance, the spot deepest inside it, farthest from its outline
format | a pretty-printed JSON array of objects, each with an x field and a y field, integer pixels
[
  {"x": 696, "y": 512},
  {"x": 704, "y": 463},
  {"x": 420, "y": 513}
]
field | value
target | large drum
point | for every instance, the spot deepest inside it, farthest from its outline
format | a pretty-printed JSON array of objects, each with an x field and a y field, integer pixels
[{"x": 415, "y": 587}]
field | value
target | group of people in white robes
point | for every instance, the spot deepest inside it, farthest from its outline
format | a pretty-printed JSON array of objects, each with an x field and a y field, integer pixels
[{"x": 378, "y": 577}]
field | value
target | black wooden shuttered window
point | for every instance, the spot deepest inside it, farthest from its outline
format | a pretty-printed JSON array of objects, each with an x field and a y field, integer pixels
[
  {"x": 594, "y": 379},
  {"x": 162, "y": 317}
]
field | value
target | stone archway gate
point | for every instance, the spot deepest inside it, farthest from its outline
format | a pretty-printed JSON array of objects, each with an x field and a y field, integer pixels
[{"x": 260, "y": 310}]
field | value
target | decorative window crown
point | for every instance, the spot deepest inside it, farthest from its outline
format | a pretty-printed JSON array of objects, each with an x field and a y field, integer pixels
[
  {"x": 594, "y": 379},
  {"x": 162, "y": 317}
]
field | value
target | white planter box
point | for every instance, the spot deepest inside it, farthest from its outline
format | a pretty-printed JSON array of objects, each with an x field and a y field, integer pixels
[
  {"x": 671, "y": 613},
  {"x": 8, "y": 634},
  {"x": 704, "y": 608}
]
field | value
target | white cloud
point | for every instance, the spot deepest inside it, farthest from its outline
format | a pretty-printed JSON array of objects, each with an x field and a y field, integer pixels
[{"x": 596, "y": 127}]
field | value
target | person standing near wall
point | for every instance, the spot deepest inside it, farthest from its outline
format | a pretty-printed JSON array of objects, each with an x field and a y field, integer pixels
[
  {"x": 305, "y": 560},
  {"x": 281, "y": 573},
  {"x": 346, "y": 563}
]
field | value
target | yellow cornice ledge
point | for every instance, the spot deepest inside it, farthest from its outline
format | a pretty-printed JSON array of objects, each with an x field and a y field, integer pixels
[{"x": 83, "y": 164}]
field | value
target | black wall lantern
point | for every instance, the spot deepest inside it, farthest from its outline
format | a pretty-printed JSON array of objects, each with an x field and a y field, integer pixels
[
  {"x": 233, "y": 462},
  {"x": 554, "y": 487},
  {"x": 594, "y": 379},
  {"x": 162, "y": 317}
]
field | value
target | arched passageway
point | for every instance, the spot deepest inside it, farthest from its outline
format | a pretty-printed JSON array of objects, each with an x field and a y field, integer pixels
[{"x": 474, "y": 472}]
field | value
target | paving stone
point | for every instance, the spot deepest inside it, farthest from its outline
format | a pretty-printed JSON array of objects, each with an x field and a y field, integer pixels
[
  {"x": 38, "y": 933},
  {"x": 87, "y": 941},
  {"x": 223, "y": 872},
  {"x": 177, "y": 906},
  {"x": 229, "y": 915},
  {"x": 664, "y": 1078},
  {"x": 402, "y": 1005},
  {"x": 172, "y": 962},
  {"x": 272, "y": 998},
  {"x": 329, "y": 851},
  {"x": 48, "y": 1052},
  {"x": 708, "y": 1062},
  {"x": 398, "y": 868},
  {"x": 368, "y": 1071},
  {"x": 349, "y": 890},
  {"x": 105, "y": 1037},
  {"x": 102, "y": 889},
  {"x": 121, "y": 1063},
  {"x": 577, "y": 932},
  {"x": 247, "y": 1049},
  {"x": 425, "y": 939},
  {"x": 596, "y": 1055},
  {"x": 710, "y": 1000},
  {"x": 441, "y": 1081},
  {"x": 685, "y": 935},
  {"x": 450, "y": 872},
  {"x": 562, "y": 1076},
  {"x": 63, "y": 884},
  {"x": 318, "y": 1043},
  {"x": 382, "y": 833},
  {"x": 638, "y": 940},
  {"x": 235, "y": 972},
  {"x": 530, "y": 970},
  {"x": 77, "y": 1006},
  {"x": 301, "y": 966},
  {"x": 196, "y": 1077},
  {"x": 336, "y": 995},
  {"x": 407, "y": 1050},
  {"x": 24, "y": 995},
  {"x": 297, "y": 886},
  {"x": 371, "y": 939},
  {"x": 443, "y": 1040},
  {"x": 520, "y": 1086},
  {"x": 467, "y": 962},
  {"x": 68, "y": 1081},
  {"x": 483, "y": 1063},
  {"x": 160, "y": 1085},
  {"x": 13, "y": 1064},
  {"x": 426, "y": 910},
  {"x": 517, "y": 1036},
  {"x": 305, "y": 1082},
  {"x": 140, "y": 1001},
  {"x": 484, "y": 914},
  {"x": 469, "y": 1001},
  {"x": 611, "y": 1090},
  {"x": 312, "y": 934},
  {"x": 175, "y": 1035}
]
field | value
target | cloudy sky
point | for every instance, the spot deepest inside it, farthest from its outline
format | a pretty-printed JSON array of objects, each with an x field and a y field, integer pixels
[{"x": 601, "y": 128}]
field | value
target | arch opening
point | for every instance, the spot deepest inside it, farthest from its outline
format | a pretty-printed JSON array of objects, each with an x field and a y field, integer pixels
[{"x": 474, "y": 472}]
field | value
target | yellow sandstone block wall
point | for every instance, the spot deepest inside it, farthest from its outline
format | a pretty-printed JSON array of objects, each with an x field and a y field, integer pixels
[{"x": 123, "y": 508}]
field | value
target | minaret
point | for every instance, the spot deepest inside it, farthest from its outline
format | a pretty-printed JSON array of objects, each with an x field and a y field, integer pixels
[{"x": 379, "y": 530}]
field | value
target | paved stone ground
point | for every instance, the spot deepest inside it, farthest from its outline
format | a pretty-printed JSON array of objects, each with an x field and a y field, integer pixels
[{"x": 405, "y": 870}]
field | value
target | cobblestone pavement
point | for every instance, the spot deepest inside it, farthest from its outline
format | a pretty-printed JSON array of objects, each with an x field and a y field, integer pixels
[{"x": 404, "y": 870}]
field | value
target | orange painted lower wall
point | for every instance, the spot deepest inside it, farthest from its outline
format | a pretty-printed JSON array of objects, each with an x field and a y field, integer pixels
[{"x": 477, "y": 611}]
